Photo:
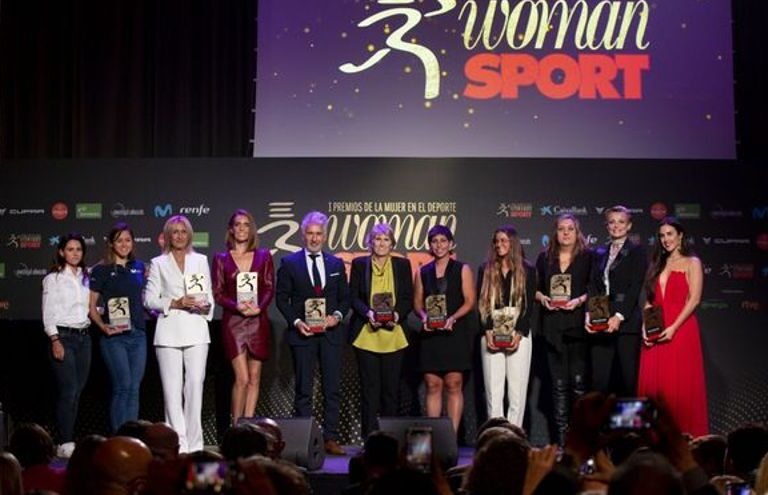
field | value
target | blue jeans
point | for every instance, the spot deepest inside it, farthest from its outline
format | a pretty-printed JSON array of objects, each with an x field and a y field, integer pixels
[
  {"x": 71, "y": 375},
  {"x": 125, "y": 356}
]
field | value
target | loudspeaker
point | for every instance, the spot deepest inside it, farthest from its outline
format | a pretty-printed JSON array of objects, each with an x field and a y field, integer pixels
[
  {"x": 444, "y": 444},
  {"x": 304, "y": 445}
]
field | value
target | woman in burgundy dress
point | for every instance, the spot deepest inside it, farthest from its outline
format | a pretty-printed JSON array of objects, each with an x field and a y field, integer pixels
[
  {"x": 671, "y": 365},
  {"x": 243, "y": 285}
]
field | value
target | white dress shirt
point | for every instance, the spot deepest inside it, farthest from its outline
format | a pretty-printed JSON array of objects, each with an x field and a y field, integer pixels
[
  {"x": 320, "y": 266},
  {"x": 65, "y": 301},
  {"x": 177, "y": 327}
]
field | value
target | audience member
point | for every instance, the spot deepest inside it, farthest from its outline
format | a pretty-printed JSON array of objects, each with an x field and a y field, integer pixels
[
  {"x": 120, "y": 466},
  {"x": 499, "y": 467},
  {"x": 33, "y": 447},
  {"x": 276, "y": 443},
  {"x": 10, "y": 475},
  {"x": 78, "y": 479},
  {"x": 709, "y": 452},
  {"x": 746, "y": 447},
  {"x": 244, "y": 440}
]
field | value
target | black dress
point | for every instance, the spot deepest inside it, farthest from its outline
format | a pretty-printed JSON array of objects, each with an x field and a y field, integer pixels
[{"x": 441, "y": 351}]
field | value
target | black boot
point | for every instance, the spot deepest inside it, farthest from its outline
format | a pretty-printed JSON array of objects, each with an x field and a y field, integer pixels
[{"x": 561, "y": 406}]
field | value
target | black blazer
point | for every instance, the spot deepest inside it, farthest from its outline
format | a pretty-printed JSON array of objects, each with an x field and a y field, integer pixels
[
  {"x": 294, "y": 286},
  {"x": 360, "y": 290},
  {"x": 626, "y": 277},
  {"x": 523, "y": 325}
]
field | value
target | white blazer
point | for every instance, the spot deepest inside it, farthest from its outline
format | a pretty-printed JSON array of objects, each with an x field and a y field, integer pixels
[{"x": 177, "y": 327}]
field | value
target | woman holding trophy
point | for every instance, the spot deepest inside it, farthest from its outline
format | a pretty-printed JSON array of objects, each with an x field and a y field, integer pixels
[
  {"x": 382, "y": 296},
  {"x": 444, "y": 295},
  {"x": 671, "y": 361},
  {"x": 243, "y": 285},
  {"x": 118, "y": 281},
  {"x": 179, "y": 290},
  {"x": 507, "y": 284},
  {"x": 564, "y": 271}
]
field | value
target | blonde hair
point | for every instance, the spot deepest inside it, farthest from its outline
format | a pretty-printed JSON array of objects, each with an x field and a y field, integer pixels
[
  {"x": 379, "y": 229},
  {"x": 253, "y": 237},
  {"x": 168, "y": 231}
]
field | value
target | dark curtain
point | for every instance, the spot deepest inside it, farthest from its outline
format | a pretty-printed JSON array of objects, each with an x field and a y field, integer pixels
[{"x": 126, "y": 78}]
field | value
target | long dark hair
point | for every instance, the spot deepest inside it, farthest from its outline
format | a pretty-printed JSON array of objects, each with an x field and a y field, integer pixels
[
  {"x": 660, "y": 255},
  {"x": 60, "y": 263},
  {"x": 492, "y": 285}
]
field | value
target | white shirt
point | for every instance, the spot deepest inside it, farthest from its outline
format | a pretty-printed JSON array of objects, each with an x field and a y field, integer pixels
[
  {"x": 320, "y": 266},
  {"x": 177, "y": 327},
  {"x": 65, "y": 301}
]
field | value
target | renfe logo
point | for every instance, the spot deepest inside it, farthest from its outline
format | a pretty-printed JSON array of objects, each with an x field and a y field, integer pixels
[
  {"x": 195, "y": 210},
  {"x": 162, "y": 211}
]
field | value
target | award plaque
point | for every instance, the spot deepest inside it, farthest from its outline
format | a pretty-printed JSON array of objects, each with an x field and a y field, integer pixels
[
  {"x": 314, "y": 314},
  {"x": 437, "y": 311},
  {"x": 383, "y": 307},
  {"x": 654, "y": 322},
  {"x": 119, "y": 311},
  {"x": 248, "y": 288},
  {"x": 599, "y": 311},
  {"x": 560, "y": 290},
  {"x": 504, "y": 321},
  {"x": 194, "y": 286}
]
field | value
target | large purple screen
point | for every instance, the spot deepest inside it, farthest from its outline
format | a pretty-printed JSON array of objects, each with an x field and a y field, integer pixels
[{"x": 495, "y": 78}]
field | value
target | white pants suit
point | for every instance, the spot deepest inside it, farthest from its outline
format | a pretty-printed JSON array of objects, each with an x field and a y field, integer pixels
[{"x": 512, "y": 368}]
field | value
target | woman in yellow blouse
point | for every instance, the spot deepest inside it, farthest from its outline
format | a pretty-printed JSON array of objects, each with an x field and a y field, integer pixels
[{"x": 382, "y": 295}]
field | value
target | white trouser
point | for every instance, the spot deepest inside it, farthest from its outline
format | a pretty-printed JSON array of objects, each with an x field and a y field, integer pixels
[
  {"x": 512, "y": 367},
  {"x": 182, "y": 371}
]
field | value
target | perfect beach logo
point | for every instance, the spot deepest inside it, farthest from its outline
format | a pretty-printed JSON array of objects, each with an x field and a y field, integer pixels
[{"x": 499, "y": 30}]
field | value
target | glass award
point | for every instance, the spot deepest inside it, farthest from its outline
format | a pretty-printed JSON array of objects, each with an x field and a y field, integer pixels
[
  {"x": 654, "y": 322},
  {"x": 383, "y": 307},
  {"x": 195, "y": 287},
  {"x": 504, "y": 321},
  {"x": 560, "y": 290},
  {"x": 119, "y": 311},
  {"x": 437, "y": 311},
  {"x": 248, "y": 288},
  {"x": 314, "y": 314},
  {"x": 599, "y": 308}
]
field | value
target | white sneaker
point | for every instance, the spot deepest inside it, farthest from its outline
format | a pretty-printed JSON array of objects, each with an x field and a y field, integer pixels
[{"x": 65, "y": 450}]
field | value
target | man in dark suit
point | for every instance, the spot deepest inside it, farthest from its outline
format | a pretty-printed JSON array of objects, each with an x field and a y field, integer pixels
[
  {"x": 312, "y": 273},
  {"x": 619, "y": 271}
]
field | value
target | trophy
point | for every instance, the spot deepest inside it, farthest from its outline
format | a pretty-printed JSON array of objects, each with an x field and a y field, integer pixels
[
  {"x": 599, "y": 311},
  {"x": 654, "y": 322},
  {"x": 560, "y": 290},
  {"x": 194, "y": 286},
  {"x": 119, "y": 311},
  {"x": 314, "y": 314},
  {"x": 248, "y": 288},
  {"x": 383, "y": 307},
  {"x": 437, "y": 311},
  {"x": 504, "y": 320}
]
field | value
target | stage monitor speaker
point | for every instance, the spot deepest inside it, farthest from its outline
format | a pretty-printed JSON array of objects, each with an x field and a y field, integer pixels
[
  {"x": 303, "y": 439},
  {"x": 444, "y": 443}
]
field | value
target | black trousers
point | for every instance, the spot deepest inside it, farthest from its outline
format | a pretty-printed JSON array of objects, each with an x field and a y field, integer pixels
[
  {"x": 304, "y": 361},
  {"x": 379, "y": 386},
  {"x": 615, "y": 363}
]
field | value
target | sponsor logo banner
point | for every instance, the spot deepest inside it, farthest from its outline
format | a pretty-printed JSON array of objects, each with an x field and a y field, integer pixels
[
  {"x": 200, "y": 239},
  {"x": 688, "y": 211},
  {"x": 88, "y": 211}
]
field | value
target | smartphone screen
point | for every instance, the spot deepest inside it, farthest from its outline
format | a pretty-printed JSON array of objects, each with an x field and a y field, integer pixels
[
  {"x": 418, "y": 451},
  {"x": 203, "y": 477},
  {"x": 635, "y": 413},
  {"x": 737, "y": 488}
]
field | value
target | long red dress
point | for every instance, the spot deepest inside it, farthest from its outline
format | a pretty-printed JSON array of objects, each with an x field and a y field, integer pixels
[{"x": 674, "y": 371}]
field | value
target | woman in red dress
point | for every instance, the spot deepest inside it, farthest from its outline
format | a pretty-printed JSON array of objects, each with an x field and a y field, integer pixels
[
  {"x": 672, "y": 366},
  {"x": 244, "y": 324}
]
